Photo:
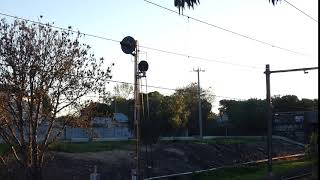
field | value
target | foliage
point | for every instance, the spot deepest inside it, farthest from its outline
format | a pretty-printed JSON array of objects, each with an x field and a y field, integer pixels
[
  {"x": 96, "y": 109},
  {"x": 312, "y": 151},
  {"x": 247, "y": 116},
  {"x": 152, "y": 123},
  {"x": 190, "y": 98},
  {"x": 74, "y": 121},
  {"x": 43, "y": 72},
  {"x": 170, "y": 115},
  {"x": 312, "y": 154},
  {"x": 289, "y": 103},
  {"x": 180, "y": 4}
]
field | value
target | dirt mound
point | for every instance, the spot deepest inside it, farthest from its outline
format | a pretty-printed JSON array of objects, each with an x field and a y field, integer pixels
[{"x": 166, "y": 158}]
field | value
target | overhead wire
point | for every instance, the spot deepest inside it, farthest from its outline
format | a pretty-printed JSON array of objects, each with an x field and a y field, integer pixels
[
  {"x": 200, "y": 58},
  {"x": 147, "y": 86},
  {"x": 300, "y": 10},
  {"x": 227, "y": 30},
  {"x": 146, "y": 47},
  {"x": 142, "y": 46}
]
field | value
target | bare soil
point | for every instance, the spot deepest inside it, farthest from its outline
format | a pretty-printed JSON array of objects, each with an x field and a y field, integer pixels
[{"x": 166, "y": 158}]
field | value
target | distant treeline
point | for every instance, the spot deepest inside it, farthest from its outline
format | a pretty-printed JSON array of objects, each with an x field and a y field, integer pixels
[
  {"x": 177, "y": 114},
  {"x": 248, "y": 117}
]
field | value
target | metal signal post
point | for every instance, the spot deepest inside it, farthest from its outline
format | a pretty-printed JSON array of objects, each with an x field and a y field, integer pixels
[
  {"x": 130, "y": 46},
  {"x": 137, "y": 109},
  {"x": 269, "y": 109}
]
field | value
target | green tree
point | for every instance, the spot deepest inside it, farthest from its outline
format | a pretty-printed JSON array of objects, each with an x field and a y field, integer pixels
[
  {"x": 248, "y": 117},
  {"x": 190, "y": 98},
  {"x": 289, "y": 103},
  {"x": 96, "y": 109},
  {"x": 152, "y": 122},
  {"x": 43, "y": 72}
]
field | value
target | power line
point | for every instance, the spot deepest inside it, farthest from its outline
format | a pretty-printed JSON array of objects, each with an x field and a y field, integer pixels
[
  {"x": 300, "y": 10},
  {"x": 61, "y": 28},
  {"x": 200, "y": 58},
  {"x": 145, "y": 47},
  {"x": 226, "y": 30},
  {"x": 151, "y": 86}
]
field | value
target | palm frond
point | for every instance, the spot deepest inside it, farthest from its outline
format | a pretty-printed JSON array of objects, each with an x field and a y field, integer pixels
[
  {"x": 180, "y": 4},
  {"x": 274, "y": 1}
]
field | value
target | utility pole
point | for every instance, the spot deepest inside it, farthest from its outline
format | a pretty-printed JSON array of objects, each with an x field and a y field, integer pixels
[
  {"x": 269, "y": 120},
  {"x": 269, "y": 109},
  {"x": 199, "y": 102}
]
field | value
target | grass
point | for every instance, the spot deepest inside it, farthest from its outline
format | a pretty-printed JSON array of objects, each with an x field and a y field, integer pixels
[
  {"x": 82, "y": 147},
  {"x": 89, "y": 146},
  {"x": 229, "y": 140},
  {"x": 251, "y": 173}
]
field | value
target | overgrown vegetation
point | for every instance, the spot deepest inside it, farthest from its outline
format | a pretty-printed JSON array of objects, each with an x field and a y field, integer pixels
[{"x": 312, "y": 154}]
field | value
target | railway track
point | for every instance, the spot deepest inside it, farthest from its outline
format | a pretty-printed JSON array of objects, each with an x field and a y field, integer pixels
[
  {"x": 288, "y": 157},
  {"x": 308, "y": 174}
]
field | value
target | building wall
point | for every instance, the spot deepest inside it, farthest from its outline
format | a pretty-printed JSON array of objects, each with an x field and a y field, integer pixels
[
  {"x": 297, "y": 126},
  {"x": 97, "y": 132}
]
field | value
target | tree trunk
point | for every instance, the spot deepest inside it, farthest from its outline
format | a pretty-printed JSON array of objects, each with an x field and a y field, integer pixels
[{"x": 34, "y": 173}]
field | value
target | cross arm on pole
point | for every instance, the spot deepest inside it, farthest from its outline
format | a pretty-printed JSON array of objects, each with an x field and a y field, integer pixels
[{"x": 291, "y": 70}]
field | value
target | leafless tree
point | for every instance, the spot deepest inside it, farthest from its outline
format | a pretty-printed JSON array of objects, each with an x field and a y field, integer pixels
[{"x": 43, "y": 72}]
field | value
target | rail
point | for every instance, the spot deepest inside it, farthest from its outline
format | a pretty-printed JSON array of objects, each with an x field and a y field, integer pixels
[{"x": 220, "y": 167}]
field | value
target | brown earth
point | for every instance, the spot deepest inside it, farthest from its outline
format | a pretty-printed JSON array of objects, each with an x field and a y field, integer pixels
[{"x": 167, "y": 158}]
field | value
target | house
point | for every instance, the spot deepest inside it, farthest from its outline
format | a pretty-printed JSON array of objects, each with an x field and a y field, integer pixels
[
  {"x": 102, "y": 127},
  {"x": 223, "y": 119},
  {"x": 118, "y": 120},
  {"x": 223, "y": 122}
]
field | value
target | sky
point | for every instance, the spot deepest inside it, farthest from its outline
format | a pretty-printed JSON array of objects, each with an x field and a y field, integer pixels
[{"x": 233, "y": 65}]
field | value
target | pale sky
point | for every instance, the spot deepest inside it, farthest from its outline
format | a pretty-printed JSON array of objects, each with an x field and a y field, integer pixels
[{"x": 280, "y": 25}]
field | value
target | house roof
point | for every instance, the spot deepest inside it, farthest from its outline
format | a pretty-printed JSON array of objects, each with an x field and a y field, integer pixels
[{"x": 120, "y": 117}]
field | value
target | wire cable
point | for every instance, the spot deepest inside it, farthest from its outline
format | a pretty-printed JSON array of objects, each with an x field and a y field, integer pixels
[
  {"x": 300, "y": 10},
  {"x": 200, "y": 58},
  {"x": 158, "y": 87},
  {"x": 227, "y": 30},
  {"x": 61, "y": 28},
  {"x": 145, "y": 47}
]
